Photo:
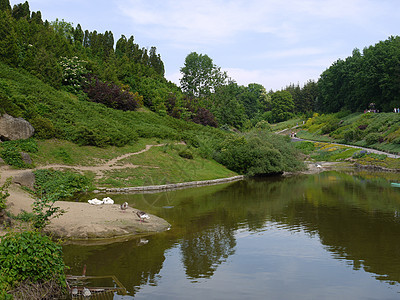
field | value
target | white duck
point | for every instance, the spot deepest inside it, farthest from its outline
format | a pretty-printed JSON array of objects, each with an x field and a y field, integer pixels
[
  {"x": 108, "y": 200},
  {"x": 95, "y": 201}
]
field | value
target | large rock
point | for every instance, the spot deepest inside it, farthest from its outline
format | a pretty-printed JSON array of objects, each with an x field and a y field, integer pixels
[
  {"x": 15, "y": 128},
  {"x": 25, "y": 179},
  {"x": 26, "y": 158}
]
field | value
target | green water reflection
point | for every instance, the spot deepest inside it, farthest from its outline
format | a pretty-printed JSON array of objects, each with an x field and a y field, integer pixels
[{"x": 351, "y": 218}]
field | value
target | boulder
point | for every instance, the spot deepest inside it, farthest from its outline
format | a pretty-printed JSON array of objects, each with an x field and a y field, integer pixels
[
  {"x": 15, "y": 128},
  {"x": 26, "y": 158},
  {"x": 26, "y": 179}
]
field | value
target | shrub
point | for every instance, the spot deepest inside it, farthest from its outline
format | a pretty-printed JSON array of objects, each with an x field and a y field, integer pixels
[
  {"x": 305, "y": 147},
  {"x": 186, "y": 153},
  {"x": 263, "y": 125},
  {"x": 44, "y": 128},
  {"x": 60, "y": 184},
  {"x": 4, "y": 193},
  {"x": 257, "y": 153},
  {"x": 30, "y": 256},
  {"x": 372, "y": 138},
  {"x": 359, "y": 154},
  {"x": 12, "y": 156},
  {"x": 111, "y": 95}
]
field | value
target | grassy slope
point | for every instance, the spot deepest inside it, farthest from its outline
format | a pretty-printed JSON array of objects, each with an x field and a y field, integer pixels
[
  {"x": 66, "y": 112},
  {"x": 385, "y": 126}
]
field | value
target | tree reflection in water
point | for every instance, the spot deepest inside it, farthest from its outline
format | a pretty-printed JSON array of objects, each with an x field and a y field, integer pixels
[{"x": 204, "y": 251}]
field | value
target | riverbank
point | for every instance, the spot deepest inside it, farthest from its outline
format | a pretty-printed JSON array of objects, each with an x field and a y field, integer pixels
[{"x": 82, "y": 221}]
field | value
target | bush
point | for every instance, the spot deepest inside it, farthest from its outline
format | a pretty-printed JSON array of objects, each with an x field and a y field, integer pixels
[
  {"x": 359, "y": 154},
  {"x": 257, "y": 153},
  {"x": 44, "y": 128},
  {"x": 30, "y": 256},
  {"x": 4, "y": 193},
  {"x": 60, "y": 184},
  {"x": 305, "y": 147},
  {"x": 12, "y": 156},
  {"x": 111, "y": 95},
  {"x": 372, "y": 138},
  {"x": 186, "y": 153}
]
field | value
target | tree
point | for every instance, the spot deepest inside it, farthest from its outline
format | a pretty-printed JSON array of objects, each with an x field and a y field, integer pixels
[
  {"x": 21, "y": 11},
  {"x": 5, "y": 5},
  {"x": 282, "y": 106},
  {"x": 200, "y": 76},
  {"x": 8, "y": 41}
]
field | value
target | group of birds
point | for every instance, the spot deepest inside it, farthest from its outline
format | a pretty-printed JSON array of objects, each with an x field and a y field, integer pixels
[
  {"x": 141, "y": 214},
  {"x": 106, "y": 200},
  {"x": 124, "y": 206}
]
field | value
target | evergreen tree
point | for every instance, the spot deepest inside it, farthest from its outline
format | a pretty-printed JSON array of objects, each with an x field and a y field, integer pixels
[
  {"x": 21, "y": 11},
  {"x": 5, "y": 6}
]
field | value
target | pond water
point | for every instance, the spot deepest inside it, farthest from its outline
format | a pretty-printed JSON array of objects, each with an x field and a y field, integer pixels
[{"x": 333, "y": 235}]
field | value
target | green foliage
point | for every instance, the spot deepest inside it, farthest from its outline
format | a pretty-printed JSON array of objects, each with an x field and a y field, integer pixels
[
  {"x": 10, "y": 151},
  {"x": 372, "y": 138},
  {"x": 61, "y": 184},
  {"x": 264, "y": 125},
  {"x": 12, "y": 156},
  {"x": 358, "y": 80},
  {"x": 257, "y": 153},
  {"x": 4, "y": 194},
  {"x": 200, "y": 76},
  {"x": 282, "y": 106},
  {"x": 74, "y": 71},
  {"x": 359, "y": 154},
  {"x": 44, "y": 210},
  {"x": 305, "y": 147},
  {"x": 30, "y": 256},
  {"x": 186, "y": 153}
]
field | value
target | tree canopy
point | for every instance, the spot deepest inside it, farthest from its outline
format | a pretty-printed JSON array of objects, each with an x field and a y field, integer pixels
[{"x": 200, "y": 76}]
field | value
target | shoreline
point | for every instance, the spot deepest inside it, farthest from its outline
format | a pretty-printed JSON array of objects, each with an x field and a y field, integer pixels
[
  {"x": 83, "y": 222},
  {"x": 167, "y": 187}
]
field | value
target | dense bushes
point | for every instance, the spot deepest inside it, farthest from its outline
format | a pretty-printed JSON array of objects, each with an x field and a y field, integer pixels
[
  {"x": 257, "y": 153},
  {"x": 30, "y": 257},
  {"x": 111, "y": 95},
  {"x": 60, "y": 184},
  {"x": 10, "y": 152}
]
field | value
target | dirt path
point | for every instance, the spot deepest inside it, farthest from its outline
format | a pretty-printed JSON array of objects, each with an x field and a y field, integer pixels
[{"x": 82, "y": 220}]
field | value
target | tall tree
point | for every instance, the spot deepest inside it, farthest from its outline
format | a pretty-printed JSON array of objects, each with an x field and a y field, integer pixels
[
  {"x": 200, "y": 76},
  {"x": 21, "y": 10},
  {"x": 282, "y": 106},
  {"x": 5, "y": 5}
]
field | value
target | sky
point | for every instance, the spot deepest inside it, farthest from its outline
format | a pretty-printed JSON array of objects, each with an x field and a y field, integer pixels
[{"x": 271, "y": 42}]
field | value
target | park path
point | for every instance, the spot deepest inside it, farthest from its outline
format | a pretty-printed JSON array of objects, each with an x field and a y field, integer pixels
[
  {"x": 112, "y": 164},
  {"x": 370, "y": 150}
]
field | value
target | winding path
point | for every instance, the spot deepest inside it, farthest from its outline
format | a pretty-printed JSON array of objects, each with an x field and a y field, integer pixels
[{"x": 7, "y": 171}]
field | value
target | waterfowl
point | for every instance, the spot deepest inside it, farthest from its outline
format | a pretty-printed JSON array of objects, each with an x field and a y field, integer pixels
[
  {"x": 95, "y": 201},
  {"x": 108, "y": 200},
  {"x": 86, "y": 292},
  {"x": 124, "y": 205},
  {"x": 142, "y": 215}
]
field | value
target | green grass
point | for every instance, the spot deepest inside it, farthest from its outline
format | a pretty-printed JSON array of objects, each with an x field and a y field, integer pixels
[{"x": 169, "y": 167}]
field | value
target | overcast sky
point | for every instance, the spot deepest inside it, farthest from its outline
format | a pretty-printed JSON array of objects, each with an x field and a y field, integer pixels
[{"x": 271, "y": 42}]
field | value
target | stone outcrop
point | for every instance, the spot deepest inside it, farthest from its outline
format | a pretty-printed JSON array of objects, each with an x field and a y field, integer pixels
[
  {"x": 15, "y": 128},
  {"x": 26, "y": 179}
]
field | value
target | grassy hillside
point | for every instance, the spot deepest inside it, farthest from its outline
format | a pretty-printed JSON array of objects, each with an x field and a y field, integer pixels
[
  {"x": 373, "y": 130},
  {"x": 70, "y": 130}
]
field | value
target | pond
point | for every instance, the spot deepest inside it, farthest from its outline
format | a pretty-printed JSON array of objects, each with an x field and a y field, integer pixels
[{"x": 333, "y": 235}]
